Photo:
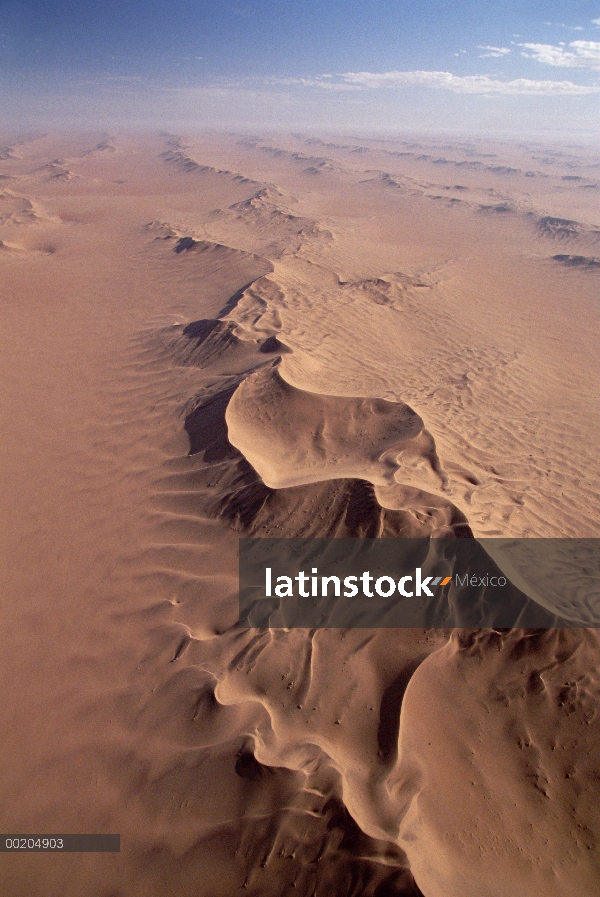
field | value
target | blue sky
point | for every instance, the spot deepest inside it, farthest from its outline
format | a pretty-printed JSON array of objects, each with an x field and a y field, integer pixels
[{"x": 518, "y": 66}]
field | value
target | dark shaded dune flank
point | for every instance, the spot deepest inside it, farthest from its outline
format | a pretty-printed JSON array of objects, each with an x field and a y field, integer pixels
[
  {"x": 577, "y": 261},
  {"x": 559, "y": 228}
]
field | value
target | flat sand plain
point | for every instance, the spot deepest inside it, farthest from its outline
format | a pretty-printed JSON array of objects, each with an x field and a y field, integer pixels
[{"x": 212, "y": 336}]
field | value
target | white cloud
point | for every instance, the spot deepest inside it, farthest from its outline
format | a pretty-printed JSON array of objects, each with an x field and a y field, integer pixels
[
  {"x": 475, "y": 84},
  {"x": 596, "y": 22},
  {"x": 562, "y": 25},
  {"x": 579, "y": 54},
  {"x": 494, "y": 52},
  {"x": 325, "y": 81}
]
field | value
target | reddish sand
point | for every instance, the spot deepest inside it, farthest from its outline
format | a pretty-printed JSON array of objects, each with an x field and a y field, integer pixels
[{"x": 205, "y": 337}]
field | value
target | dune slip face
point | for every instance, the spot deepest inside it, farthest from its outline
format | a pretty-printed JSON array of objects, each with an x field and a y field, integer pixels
[{"x": 208, "y": 337}]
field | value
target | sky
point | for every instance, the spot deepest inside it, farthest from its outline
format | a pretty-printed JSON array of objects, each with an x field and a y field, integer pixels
[{"x": 525, "y": 67}]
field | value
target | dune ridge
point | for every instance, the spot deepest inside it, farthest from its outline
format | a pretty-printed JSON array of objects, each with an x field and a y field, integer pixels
[{"x": 344, "y": 459}]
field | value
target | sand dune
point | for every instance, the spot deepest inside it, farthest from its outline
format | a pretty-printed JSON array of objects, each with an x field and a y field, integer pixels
[
  {"x": 291, "y": 436},
  {"x": 292, "y": 336},
  {"x": 522, "y": 814},
  {"x": 264, "y": 223},
  {"x": 315, "y": 163},
  {"x": 103, "y": 146},
  {"x": 57, "y": 170},
  {"x": 187, "y": 164},
  {"x": 16, "y": 209},
  {"x": 341, "y": 443}
]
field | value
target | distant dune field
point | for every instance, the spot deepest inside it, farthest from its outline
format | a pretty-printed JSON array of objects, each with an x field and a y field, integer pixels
[{"x": 205, "y": 337}]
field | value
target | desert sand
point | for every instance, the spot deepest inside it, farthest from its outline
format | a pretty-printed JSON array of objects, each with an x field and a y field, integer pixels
[{"x": 213, "y": 336}]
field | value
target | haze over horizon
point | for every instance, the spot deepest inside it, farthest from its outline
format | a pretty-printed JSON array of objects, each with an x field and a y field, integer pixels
[{"x": 523, "y": 69}]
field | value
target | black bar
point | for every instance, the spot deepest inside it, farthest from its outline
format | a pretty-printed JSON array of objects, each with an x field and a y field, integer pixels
[{"x": 60, "y": 843}]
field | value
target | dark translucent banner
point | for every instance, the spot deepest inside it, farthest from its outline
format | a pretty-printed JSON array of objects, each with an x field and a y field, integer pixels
[
  {"x": 419, "y": 583},
  {"x": 60, "y": 843}
]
